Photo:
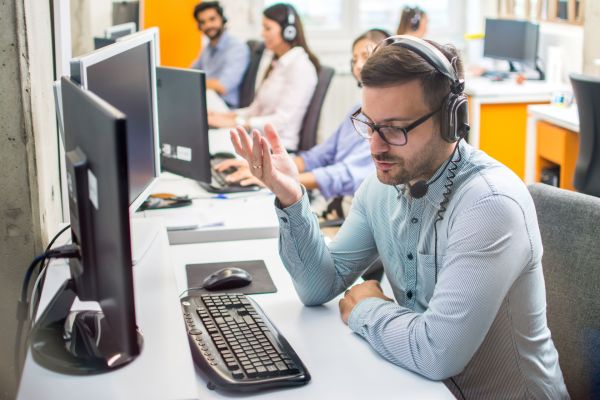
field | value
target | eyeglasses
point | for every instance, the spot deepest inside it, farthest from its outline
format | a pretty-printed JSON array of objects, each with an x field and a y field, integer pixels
[{"x": 393, "y": 135}]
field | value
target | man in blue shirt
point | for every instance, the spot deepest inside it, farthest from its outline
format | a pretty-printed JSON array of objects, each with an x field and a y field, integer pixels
[
  {"x": 456, "y": 231},
  {"x": 224, "y": 58}
]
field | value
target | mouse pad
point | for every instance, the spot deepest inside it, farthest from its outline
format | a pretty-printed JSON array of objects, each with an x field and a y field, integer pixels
[{"x": 261, "y": 280}]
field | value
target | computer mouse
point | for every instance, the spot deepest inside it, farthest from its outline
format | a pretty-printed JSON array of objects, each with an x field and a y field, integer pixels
[{"x": 227, "y": 278}]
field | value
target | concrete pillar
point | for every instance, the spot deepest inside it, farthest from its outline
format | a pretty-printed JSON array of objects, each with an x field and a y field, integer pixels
[
  {"x": 89, "y": 18},
  {"x": 591, "y": 33},
  {"x": 30, "y": 205}
]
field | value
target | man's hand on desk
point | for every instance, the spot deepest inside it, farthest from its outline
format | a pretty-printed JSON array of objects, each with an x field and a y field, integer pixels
[
  {"x": 269, "y": 162},
  {"x": 242, "y": 173},
  {"x": 221, "y": 119},
  {"x": 356, "y": 294}
]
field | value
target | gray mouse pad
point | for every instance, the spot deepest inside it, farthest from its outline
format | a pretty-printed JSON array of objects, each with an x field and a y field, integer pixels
[{"x": 261, "y": 280}]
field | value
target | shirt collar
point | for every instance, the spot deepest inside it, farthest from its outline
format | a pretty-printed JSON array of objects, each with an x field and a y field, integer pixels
[{"x": 222, "y": 42}]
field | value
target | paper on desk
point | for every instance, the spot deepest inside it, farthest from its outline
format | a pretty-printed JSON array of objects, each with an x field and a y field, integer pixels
[{"x": 178, "y": 219}]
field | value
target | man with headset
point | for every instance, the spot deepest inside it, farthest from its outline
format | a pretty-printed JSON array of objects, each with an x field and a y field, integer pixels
[
  {"x": 456, "y": 231},
  {"x": 223, "y": 58}
]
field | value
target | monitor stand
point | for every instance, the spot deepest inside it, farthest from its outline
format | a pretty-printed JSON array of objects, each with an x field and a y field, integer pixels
[{"x": 75, "y": 342}]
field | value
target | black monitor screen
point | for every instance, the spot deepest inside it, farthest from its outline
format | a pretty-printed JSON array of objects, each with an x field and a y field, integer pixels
[
  {"x": 125, "y": 80},
  {"x": 183, "y": 122},
  {"x": 511, "y": 40}
]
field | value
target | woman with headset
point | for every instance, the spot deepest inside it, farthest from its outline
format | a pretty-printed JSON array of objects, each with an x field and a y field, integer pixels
[
  {"x": 289, "y": 83},
  {"x": 338, "y": 165},
  {"x": 413, "y": 21}
]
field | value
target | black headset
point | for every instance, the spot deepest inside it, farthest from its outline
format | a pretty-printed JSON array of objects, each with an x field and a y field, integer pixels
[
  {"x": 454, "y": 110},
  {"x": 288, "y": 29}
]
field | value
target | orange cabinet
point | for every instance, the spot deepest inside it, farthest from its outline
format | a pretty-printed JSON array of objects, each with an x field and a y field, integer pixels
[{"x": 556, "y": 146}]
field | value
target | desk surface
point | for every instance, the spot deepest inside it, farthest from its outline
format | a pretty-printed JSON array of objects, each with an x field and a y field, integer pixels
[
  {"x": 342, "y": 365},
  {"x": 509, "y": 91},
  {"x": 566, "y": 117},
  {"x": 242, "y": 216}
]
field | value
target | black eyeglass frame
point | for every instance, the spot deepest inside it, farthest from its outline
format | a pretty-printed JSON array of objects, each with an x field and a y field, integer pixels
[{"x": 377, "y": 127}]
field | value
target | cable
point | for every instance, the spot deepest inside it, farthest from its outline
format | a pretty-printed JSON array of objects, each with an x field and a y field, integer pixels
[
  {"x": 440, "y": 214},
  {"x": 67, "y": 251}
]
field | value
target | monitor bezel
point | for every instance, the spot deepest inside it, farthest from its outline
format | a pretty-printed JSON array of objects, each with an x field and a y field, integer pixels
[{"x": 79, "y": 66}]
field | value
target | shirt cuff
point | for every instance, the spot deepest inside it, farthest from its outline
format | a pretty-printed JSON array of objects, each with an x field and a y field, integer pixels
[
  {"x": 296, "y": 214},
  {"x": 363, "y": 312}
]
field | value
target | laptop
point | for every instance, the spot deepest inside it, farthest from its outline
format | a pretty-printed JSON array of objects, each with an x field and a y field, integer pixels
[{"x": 183, "y": 127}]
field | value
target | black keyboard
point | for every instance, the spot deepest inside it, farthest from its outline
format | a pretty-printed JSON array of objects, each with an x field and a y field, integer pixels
[
  {"x": 220, "y": 185},
  {"x": 237, "y": 347}
]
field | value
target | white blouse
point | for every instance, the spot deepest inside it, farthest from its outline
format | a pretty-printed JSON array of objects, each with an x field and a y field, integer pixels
[{"x": 283, "y": 97}]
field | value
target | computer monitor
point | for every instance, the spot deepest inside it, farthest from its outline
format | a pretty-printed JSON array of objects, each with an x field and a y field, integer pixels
[
  {"x": 91, "y": 341},
  {"x": 100, "y": 42},
  {"x": 511, "y": 40},
  {"x": 123, "y": 74},
  {"x": 117, "y": 31},
  {"x": 183, "y": 123},
  {"x": 125, "y": 11}
]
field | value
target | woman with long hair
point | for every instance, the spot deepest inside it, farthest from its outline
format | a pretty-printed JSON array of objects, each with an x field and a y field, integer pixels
[
  {"x": 289, "y": 83},
  {"x": 413, "y": 21}
]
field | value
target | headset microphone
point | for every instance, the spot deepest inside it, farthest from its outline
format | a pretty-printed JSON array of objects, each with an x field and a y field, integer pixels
[{"x": 420, "y": 188}]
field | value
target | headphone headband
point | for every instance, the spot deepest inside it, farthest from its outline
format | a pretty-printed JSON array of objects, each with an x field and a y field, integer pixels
[{"x": 431, "y": 54}]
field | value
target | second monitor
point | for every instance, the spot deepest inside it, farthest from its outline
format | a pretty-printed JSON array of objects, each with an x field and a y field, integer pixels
[{"x": 183, "y": 125}]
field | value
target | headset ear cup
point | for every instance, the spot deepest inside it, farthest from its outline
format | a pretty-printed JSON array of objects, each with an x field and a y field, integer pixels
[
  {"x": 455, "y": 117},
  {"x": 445, "y": 122},
  {"x": 289, "y": 33}
]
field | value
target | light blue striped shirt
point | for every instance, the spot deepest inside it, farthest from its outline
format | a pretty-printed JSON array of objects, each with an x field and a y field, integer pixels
[{"x": 484, "y": 322}]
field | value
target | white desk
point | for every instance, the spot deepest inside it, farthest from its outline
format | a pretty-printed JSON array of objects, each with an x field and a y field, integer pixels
[
  {"x": 163, "y": 370},
  {"x": 249, "y": 215},
  {"x": 342, "y": 365}
]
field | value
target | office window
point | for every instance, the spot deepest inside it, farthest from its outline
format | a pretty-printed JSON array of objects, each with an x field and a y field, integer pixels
[{"x": 318, "y": 14}]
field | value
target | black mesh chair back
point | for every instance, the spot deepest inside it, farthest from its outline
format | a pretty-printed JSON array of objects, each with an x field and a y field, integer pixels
[
  {"x": 247, "y": 88},
  {"x": 587, "y": 169},
  {"x": 310, "y": 124}
]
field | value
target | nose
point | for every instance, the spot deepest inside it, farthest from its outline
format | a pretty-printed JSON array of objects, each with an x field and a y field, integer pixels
[{"x": 378, "y": 145}]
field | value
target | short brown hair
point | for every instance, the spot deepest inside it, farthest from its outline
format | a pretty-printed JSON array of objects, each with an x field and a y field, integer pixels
[{"x": 394, "y": 65}]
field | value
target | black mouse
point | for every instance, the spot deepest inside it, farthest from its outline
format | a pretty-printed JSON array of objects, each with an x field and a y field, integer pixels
[{"x": 227, "y": 278}]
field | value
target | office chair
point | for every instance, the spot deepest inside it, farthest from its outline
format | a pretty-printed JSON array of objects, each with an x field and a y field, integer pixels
[
  {"x": 569, "y": 228},
  {"x": 310, "y": 124},
  {"x": 587, "y": 169},
  {"x": 247, "y": 87}
]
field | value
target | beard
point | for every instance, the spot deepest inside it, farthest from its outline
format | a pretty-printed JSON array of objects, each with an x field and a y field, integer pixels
[
  {"x": 421, "y": 166},
  {"x": 213, "y": 33}
]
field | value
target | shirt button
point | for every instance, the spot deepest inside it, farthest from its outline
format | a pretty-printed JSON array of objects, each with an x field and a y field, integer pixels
[
  {"x": 409, "y": 294},
  {"x": 410, "y": 256},
  {"x": 284, "y": 219},
  {"x": 414, "y": 220}
]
